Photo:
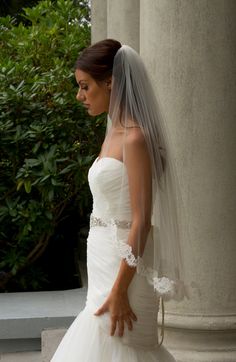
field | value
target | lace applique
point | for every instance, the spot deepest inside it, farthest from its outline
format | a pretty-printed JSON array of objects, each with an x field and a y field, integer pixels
[
  {"x": 125, "y": 251},
  {"x": 163, "y": 286}
]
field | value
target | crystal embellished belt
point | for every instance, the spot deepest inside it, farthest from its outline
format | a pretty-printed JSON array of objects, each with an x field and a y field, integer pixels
[{"x": 96, "y": 221}]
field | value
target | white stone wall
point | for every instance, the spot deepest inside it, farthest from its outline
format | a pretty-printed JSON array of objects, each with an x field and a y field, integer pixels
[
  {"x": 189, "y": 48},
  {"x": 116, "y": 19}
]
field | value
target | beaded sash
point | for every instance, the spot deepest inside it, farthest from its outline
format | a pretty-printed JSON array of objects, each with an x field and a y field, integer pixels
[{"x": 96, "y": 221}]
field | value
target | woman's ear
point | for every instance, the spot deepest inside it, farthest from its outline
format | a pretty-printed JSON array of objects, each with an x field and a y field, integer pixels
[{"x": 108, "y": 83}]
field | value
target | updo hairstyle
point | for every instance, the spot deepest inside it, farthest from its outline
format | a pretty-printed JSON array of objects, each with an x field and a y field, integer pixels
[{"x": 97, "y": 60}]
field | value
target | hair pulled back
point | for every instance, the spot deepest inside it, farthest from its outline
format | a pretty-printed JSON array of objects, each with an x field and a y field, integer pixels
[{"x": 97, "y": 60}]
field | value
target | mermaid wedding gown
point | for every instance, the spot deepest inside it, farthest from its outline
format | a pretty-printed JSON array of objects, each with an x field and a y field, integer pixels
[{"x": 88, "y": 339}]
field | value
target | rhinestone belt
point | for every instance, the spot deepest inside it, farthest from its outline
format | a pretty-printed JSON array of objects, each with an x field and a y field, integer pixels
[{"x": 96, "y": 221}]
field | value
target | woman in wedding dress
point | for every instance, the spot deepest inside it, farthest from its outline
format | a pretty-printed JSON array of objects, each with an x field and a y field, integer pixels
[{"x": 126, "y": 281}]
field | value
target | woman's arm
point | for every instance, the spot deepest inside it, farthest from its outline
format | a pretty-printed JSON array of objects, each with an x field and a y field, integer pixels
[
  {"x": 139, "y": 171},
  {"x": 140, "y": 186},
  {"x": 117, "y": 303}
]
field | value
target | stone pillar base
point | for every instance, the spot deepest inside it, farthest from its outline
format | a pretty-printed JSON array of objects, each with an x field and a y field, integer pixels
[{"x": 201, "y": 338}]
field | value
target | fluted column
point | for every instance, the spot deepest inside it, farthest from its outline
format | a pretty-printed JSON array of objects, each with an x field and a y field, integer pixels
[
  {"x": 123, "y": 21},
  {"x": 99, "y": 20},
  {"x": 189, "y": 47}
]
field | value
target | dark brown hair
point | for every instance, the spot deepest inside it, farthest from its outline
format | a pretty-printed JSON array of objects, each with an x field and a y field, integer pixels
[{"x": 97, "y": 60}]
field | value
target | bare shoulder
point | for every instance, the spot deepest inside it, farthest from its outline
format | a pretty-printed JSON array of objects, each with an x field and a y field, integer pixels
[
  {"x": 136, "y": 150},
  {"x": 135, "y": 139}
]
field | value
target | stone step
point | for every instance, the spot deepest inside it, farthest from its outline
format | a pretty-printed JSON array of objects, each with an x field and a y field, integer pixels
[
  {"x": 23, "y": 316},
  {"x": 21, "y": 357},
  {"x": 50, "y": 340}
]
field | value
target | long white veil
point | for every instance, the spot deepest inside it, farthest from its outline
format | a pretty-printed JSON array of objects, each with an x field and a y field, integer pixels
[{"x": 133, "y": 105}]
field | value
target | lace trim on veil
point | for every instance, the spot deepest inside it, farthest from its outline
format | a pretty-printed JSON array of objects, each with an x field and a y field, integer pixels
[{"x": 163, "y": 286}]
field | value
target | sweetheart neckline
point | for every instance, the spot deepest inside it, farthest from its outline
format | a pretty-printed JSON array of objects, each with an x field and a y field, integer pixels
[{"x": 98, "y": 159}]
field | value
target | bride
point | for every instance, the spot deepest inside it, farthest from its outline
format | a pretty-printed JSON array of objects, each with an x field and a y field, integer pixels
[{"x": 130, "y": 268}]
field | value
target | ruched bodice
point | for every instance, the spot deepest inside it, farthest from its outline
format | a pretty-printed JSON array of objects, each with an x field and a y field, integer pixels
[
  {"x": 88, "y": 337},
  {"x": 106, "y": 177}
]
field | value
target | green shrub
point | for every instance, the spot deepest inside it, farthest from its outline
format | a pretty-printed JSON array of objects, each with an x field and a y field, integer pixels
[
  {"x": 47, "y": 139},
  {"x": 13, "y": 7}
]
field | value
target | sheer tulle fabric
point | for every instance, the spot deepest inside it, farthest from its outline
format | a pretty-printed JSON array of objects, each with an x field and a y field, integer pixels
[{"x": 133, "y": 106}]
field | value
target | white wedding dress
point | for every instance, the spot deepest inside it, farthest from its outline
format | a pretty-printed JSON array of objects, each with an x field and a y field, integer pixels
[{"x": 88, "y": 339}]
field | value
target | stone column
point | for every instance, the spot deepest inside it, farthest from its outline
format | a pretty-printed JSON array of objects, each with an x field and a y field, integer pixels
[
  {"x": 189, "y": 47},
  {"x": 123, "y": 21},
  {"x": 99, "y": 20}
]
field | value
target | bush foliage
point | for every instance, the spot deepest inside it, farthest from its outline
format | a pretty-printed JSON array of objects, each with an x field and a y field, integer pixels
[{"x": 47, "y": 139}]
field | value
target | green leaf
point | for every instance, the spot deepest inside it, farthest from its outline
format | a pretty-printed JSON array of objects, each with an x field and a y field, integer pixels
[
  {"x": 45, "y": 178},
  {"x": 27, "y": 184},
  {"x": 50, "y": 195},
  {"x": 20, "y": 182}
]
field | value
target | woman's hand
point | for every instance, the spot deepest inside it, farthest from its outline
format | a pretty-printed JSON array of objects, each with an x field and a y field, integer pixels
[{"x": 118, "y": 305}]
